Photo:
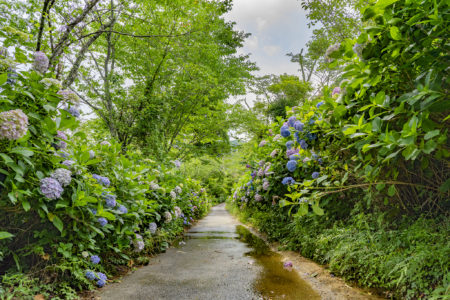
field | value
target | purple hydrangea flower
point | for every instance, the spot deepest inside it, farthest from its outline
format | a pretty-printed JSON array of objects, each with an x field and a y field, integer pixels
[
  {"x": 101, "y": 283},
  {"x": 253, "y": 174},
  {"x": 320, "y": 160},
  {"x": 73, "y": 111},
  {"x": 303, "y": 144},
  {"x": 102, "y": 180},
  {"x": 248, "y": 166},
  {"x": 40, "y": 62},
  {"x": 61, "y": 135},
  {"x": 110, "y": 200},
  {"x": 320, "y": 104},
  {"x": 95, "y": 259},
  {"x": 261, "y": 172},
  {"x": 274, "y": 153},
  {"x": 93, "y": 211},
  {"x": 266, "y": 185},
  {"x": 291, "y": 165},
  {"x": 284, "y": 131},
  {"x": 102, "y": 221},
  {"x": 288, "y": 181},
  {"x": 13, "y": 124},
  {"x": 263, "y": 143},
  {"x": 122, "y": 209},
  {"x": 291, "y": 121},
  {"x": 68, "y": 163},
  {"x": 289, "y": 144},
  {"x": 63, "y": 176},
  {"x": 51, "y": 188},
  {"x": 153, "y": 227},
  {"x": 138, "y": 243},
  {"x": 63, "y": 154},
  {"x": 258, "y": 197},
  {"x": 315, "y": 175},
  {"x": 292, "y": 151},
  {"x": 336, "y": 90},
  {"x": 101, "y": 279},
  {"x": 90, "y": 275},
  {"x": 298, "y": 126},
  {"x": 62, "y": 145}
]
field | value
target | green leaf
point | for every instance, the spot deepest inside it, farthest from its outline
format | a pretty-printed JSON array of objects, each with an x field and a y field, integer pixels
[
  {"x": 384, "y": 3},
  {"x": 391, "y": 190},
  {"x": 58, "y": 223},
  {"x": 26, "y": 205},
  {"x": 3, "y": 78},
  {"x": 395, "y": 33},
  {"x": 431, "y": 134},
  {"x": 317, "y": 210},
  {"x": 5, "y": 235},
  {"x": 107, "y": 215},
  {"x": 445, "y": 187},
  {"x": 23, "y": 151},
  {"x": 6, "y": 158}
]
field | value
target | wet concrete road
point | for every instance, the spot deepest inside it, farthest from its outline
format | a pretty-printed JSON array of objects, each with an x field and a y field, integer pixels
[{"x": 213, "y": 264}]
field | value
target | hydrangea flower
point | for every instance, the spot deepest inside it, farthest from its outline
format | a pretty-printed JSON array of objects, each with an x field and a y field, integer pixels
[
  {"x": 110, "y": 200},
  {"x": 177, "y": 211},
  {"x": 167, "y": 217},
  {"x": 63, "y": 154},
  {"x": 173, "y": 195},
  {"x": 258, "y": 197},
  {"x": 292, "y": 151},
  {"x": 270, "y": 132},
  {"x": 266, "y": 170},
  {"x": 260, "y": 172},
  {"x": 13, "y": 124},
  {"x": 315, "y": 175},
  {"x": 61, "y": 135},
  {"x": 263, "y": 143},
  {"x": 101, "y": 283},
  {"x": 320, "y": 104},
  {"x": 91, "y": 154},
  {"x": 330, "y": 50},
  {"x": 284, "y": 131},
  {"x": 266, "y": 185},
  {"x": 289, "y": 144},
  {"x": 253, "y": 174},
  {"x": 93, "y": 211},
  {"x": 291, "y": 121},
  {"x": 154, "y": 186},
  {"x": 105, "y": 143},
  {"x": 40, "y": 62},
  {"x": 288, "y": 181},
  {"x": 138, "y": 243},
  {"x": 122, "y": 209},
  {"x": 320, "y": 160},
  {"x": 63, "y": 176},
  {"x": 291, "y": 165},
  {"x": 102, "y": 180},
  {"x": 48, "y": 82},
  {"x": 178, "y": 190},
  {"x": 73, "y": 111},
  {"x": 152, "y": 227},
  {"x": 277, "y": 137},
  {"x": 177, "y": 163},
  {"x": 51, "y": 188},
  {"x": 336, "y": 91},
  {"x": 274, "y": 153},
  {"x": 311, "y": 136},
  {"x": 62, "y": 145},
  {"x": 101, "y": 279},
  {"x": 294, "y": 157},
  {"x": 248, "y": 166},
  {"x": 298, "y": 126},
  {"x": 102, "y": 221},
  {"x": 303, "y": 144},
  {"x": 95, "y": 259},
  {"x": 311, "y": 121},
  {"x": 68, "y": 163},
  {"x": 12, "y": 76},
  {"x": 244, "y": 199},
  {"x": 69, "y": 97},
  {"x": 90, "y": 275}
]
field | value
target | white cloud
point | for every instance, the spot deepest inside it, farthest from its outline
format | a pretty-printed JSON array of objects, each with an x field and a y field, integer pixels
[{"x": 271, "y": 50}]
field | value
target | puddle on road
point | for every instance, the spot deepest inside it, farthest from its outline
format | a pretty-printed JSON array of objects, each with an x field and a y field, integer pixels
[{"x": 274, "y": 282}]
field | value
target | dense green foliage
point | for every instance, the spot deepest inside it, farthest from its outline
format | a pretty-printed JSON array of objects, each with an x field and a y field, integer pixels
[{"x": 372, "y": 152}]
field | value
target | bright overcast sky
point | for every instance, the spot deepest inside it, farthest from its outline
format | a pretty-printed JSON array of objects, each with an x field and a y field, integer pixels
[{"x": 277, "y": 27}]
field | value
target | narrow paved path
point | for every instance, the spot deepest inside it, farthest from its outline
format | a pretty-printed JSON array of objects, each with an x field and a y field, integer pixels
[{"x": 213, "y": 264}]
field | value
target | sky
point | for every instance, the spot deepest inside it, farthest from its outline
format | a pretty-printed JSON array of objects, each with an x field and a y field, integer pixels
[{"x": 277, "y": 27}]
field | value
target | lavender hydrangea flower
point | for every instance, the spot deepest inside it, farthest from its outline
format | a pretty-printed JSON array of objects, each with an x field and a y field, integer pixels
[
  {"x": 152, "y": 227},
  {"x": 258, "y": 197},
  {"x": 51, "y": 188},
  {"x": 253, "y": 174},
  {"x": 167, "y": 217},
  {"x": 298, "y": 126},
  {"x": 48, "y": 82},
  {"x": 101, "y": 283},
  {"x": 177, "y": 163},
  {"x": 105, "y": 143},
  {"x": 270, "y": 132},
  {"x": 101, "y": 279},
  {"x": 173, "y": 195},
  {"x": 102, "y": 180},
  {"x": 93, "y": 211},
  {"x": 294, "y": 157},
  {"x": 311, "y": 121},
  {"x": 69, "y": 97},
  {"x": 122, "y": 209},
  {"x": 63, "y": 176},
  {"x": 40, "y": 62},
  {"x": 291, "y": 121},
  {"x": 110, "y": 200},
  {"x": 288, "y": 181},
  {"x": 303, "y": 144},
  {"x": 90, "y": 275},
  {"x": 291, "y": 165},
  {"x": 274, "y": 153},
  {"x": 260, "y": 172},
  {"x": 95, "y": 259},
  {"x": 62, "y": 145},
  {"x": 289, "y": 144},
  {"x": 73, "y": 111},
  {"x": 63, "y": 154},
  {"x": 292, "y": 151},
  {"x": 61, "y": 135},
  {"x": 284, "y": 131},
  {"x": 315, "y": 175},
  {"x": 177, "y": 211},
  {"x": 320, "y": 160},
  {"x": 336, "y": 91},
  {"x": 138, "y": 243},
  {"x": 13, "y": 124},
  {"x": 320, "y": 104},
  {"x": 263, "y": 143},
  {"x": 91, "y": 154},
  {"x": 266, "y": 185},
  {"x": 102, "y": 221},
  {"x": 68, "y": 163},
  {"x": 277, "y": 137}
]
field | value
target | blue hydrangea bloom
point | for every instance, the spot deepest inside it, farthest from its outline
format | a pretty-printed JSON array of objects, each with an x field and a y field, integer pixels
[
  {"x": 289, "y": 144},
  {"x": 315, "y": 175},
  {"x": 320, "y": 104},
  {"x": 291, "y": 165},
  {"x": 122, "y": 209},
  {"x": 298, "y": 126},
  {"x": 312, "y": 121},
  {"x": 287, "y": 180},
  {"x": 102, "y": 221},
  {"x": 320, "y": 160},
  {"x": 294, "y": 157},
  {"x": 101, "y": 283},
  {"x": 253, "y": 174},
  {"x": 284, "y": 131},
  {"x": 314, "y": 156},
  {"x": 102, "y": 180},
  {"x": 95, "y": 259},
  {"x": 93, "y": 211},
  {"x": 74, "y": 111},
  {"x": 90, "y": 275},
  {"x": 109, "y": 199},
  {"x": 102, "y": 276},
  {"x": 291, "y": 121},
  {"x": 303, "y": 144}
]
